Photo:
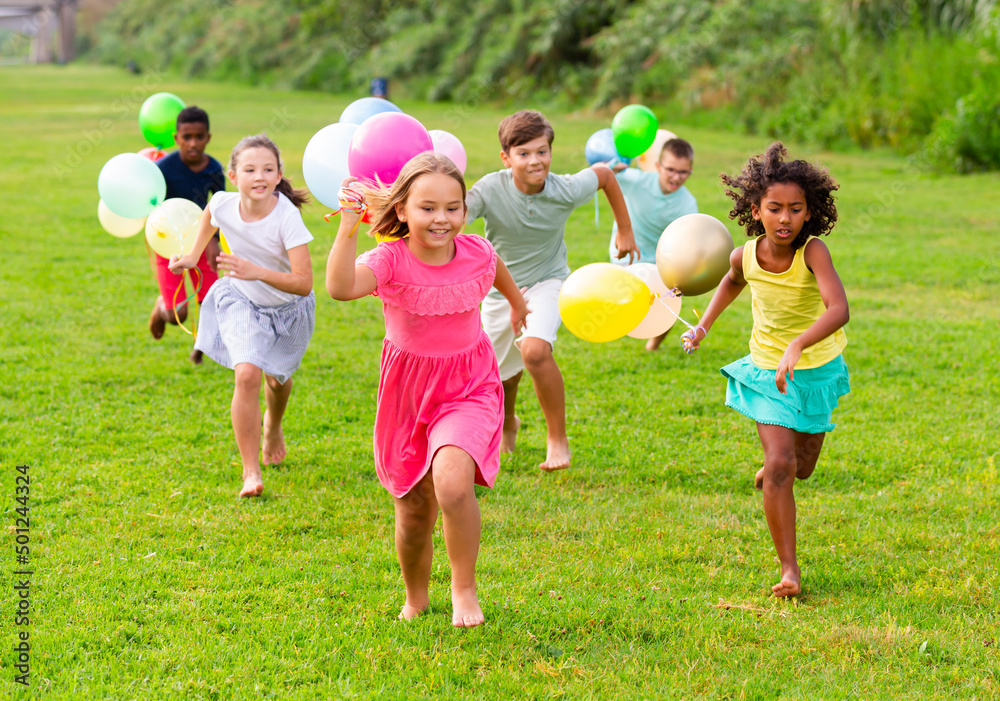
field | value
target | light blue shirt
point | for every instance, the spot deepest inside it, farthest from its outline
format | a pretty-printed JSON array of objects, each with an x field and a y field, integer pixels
[
  {"x": 650, "y": 210},
  {"x": 527, "y": 230}
]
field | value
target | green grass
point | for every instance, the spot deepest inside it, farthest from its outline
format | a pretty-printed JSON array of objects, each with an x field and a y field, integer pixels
[{"x": 643, "y": 572}]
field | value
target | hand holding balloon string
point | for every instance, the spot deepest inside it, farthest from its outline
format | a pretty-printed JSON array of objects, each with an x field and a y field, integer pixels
[{"x": 352, "y": 201}]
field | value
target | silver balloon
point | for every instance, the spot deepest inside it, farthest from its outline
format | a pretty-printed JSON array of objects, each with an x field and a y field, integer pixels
[{"x": 693, "y": 253}]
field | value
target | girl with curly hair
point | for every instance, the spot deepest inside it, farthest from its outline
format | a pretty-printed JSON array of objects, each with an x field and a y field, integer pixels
[{"x": 795, "y": 373}]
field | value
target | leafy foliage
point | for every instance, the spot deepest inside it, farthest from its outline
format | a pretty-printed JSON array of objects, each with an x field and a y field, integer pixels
[{"x": 834, "y": 72}]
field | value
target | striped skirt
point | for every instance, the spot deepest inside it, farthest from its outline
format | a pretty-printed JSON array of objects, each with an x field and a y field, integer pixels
[{"x": 234, "y": 330}]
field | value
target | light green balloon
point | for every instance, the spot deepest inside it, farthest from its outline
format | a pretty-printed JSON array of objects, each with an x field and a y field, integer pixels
[
  {"x": 131, "y": 186},
  {"x": 634, "y": 128},
  {"x": 158, "y": 118}
]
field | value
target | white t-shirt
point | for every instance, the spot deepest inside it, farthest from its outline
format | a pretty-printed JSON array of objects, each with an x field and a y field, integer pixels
[{"x": 264, "y": 242}]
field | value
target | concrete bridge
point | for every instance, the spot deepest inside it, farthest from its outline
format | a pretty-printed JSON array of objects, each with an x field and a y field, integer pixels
[{"x": 51, "y": 24}]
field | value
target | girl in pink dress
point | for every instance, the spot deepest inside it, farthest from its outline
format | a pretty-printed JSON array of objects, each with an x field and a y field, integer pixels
[{"x": 440, "y": 402}]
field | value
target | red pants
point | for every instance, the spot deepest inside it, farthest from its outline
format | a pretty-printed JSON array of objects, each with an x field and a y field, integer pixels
[{"x": 170, "y": 282}]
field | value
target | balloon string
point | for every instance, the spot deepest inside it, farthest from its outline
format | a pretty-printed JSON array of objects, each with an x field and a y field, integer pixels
[
  {"x": 194, "y": 294},
  {"x": 673, "y": 294},
  {"x": 351, "y": 201}
]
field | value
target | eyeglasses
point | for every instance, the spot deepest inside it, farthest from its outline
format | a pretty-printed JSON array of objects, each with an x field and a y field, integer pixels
[{"x": 671, "y": 171}]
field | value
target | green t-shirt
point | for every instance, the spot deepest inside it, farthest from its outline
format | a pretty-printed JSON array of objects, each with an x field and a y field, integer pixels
[
  {"x": 527, "y": 230},
  {"x": 650, "y": 211}
]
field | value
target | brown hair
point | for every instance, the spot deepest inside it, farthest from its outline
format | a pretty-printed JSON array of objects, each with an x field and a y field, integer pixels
[
  {"x": 383, "y": 200},
  {"x": 297, "y": 197},
  {"x": 679, "y": 148},
  {"x": 522, "y": 127},
  {"x": 770, "y": 168}
]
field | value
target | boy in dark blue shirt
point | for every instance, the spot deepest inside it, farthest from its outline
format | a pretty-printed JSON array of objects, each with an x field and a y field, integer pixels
[{"x": 192, "y": 175}]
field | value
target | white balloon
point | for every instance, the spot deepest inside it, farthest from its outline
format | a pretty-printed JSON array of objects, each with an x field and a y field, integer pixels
[
  {"x": 664, "y": 310},
  {"x": 324, "y": 162}
]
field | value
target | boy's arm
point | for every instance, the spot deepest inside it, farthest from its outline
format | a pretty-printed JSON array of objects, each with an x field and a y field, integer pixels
[{"x": 624, "y": 239}]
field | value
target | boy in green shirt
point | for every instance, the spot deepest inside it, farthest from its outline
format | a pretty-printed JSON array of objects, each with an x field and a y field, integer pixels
[{"x": 525, "y": 209}]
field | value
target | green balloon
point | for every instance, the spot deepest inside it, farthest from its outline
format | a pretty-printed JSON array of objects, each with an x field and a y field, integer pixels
[
  {"x": 158, "y": 118},
  {"x": 131, "y": 186},
  {"x": 634, "y": 129}
]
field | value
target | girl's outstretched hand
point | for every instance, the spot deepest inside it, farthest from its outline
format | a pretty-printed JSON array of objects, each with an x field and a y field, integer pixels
[
  {"x": 786, "y": 366},
  {"x": 179, "y": 264},
  {"x": 691, "y": 339},
  {"x": 238, "y": 268}
]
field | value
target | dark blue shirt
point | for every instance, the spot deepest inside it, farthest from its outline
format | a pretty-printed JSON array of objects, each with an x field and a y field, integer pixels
[{"x": 185, "y": 183}]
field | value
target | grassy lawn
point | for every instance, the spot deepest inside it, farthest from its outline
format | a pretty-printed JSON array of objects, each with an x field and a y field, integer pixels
[{"x": 642, "y": 572}]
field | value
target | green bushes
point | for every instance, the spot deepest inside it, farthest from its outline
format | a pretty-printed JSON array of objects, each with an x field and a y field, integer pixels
[{"x": 834, "y": 72}]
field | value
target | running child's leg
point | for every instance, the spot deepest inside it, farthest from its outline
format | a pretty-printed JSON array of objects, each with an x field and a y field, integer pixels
[
  {"x": 511, "y": 424},
  {"x": 245, "y": 412},
  {"x": 541, "y": 365},
  {"x": 807, "y": 449},
  {"x": 275, "y": 399},
  {"x": 454, "y": 473},
  {"x": 779, "y": 502},
  {"x": 416, "y": 514}
]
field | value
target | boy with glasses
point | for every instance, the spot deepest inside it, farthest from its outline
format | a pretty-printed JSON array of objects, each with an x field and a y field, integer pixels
[{"x": 654, "y": 200}]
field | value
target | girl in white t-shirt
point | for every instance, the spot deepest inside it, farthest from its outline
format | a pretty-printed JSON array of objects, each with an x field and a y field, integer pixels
[{"x": 259, "y": 316}]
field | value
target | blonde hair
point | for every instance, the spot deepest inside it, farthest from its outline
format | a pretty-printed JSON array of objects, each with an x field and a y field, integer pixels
[
  {"x": 297, "y": 197},
  {"x": 383, "y": 200}
]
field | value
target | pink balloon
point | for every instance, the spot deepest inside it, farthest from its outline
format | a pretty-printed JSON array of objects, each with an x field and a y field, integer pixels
[
  {"x": 447, "y": 144},
  {"x": 383, "y": 144}
]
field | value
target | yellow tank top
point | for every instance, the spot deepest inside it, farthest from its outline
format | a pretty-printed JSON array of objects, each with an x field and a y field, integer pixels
[{"x": 785, "y": 305}]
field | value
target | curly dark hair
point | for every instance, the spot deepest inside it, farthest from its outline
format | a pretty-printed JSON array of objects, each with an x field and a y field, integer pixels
[{"x": 763, "y": 171}]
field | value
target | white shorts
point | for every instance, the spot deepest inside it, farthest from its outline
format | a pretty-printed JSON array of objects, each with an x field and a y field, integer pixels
[{"x": 543, "y": 322}]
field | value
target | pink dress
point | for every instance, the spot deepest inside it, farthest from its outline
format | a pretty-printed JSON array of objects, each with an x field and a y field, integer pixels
[{"x": 439, "y": 382}]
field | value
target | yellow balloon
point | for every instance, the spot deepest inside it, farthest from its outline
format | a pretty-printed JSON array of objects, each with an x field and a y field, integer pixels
[
  {"x": 649, "y": 159},
  {"x": 693, "y": 253},
  {"x": 665, "y": 308},
  {"x": 601, "y": 302},
  {"x": 172, "y": 226},
  {"x": 118, "y": 226},
  {"x": 223, "y": 244}
]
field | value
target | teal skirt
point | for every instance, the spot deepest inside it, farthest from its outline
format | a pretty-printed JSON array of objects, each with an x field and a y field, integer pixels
[{"x": 806, "y": 407}]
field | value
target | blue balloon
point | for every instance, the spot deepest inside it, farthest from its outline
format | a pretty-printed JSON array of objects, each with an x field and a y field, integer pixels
[
  {"x": 324, "y": 162},
  {"x": 600, "y": 148},
  {"x": 360, "y": 110}
]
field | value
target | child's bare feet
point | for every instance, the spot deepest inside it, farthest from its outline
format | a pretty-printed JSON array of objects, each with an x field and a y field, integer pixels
[
  {"x": 508, "y": 440},
  {"x": 157, "y": 319},
  {"x": 758, "y": 480},
  {"x": 557, "y": 455},
  {"x": 466, "y": 611},
  {"x": 410, "y": 612},
  {"x": 274, "y": 443},
  {"x": 253, "y": 485},
  {"x": 791, "y": 581},
  {"x": 196, "y": 356}
]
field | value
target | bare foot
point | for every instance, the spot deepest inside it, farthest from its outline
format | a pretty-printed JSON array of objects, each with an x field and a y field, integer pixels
[
  {"x": 410, "y": 612},
  {"x": 252, "y": 485},
  {"x": 466, "y": 610},
  {"x": 557, "y": 456},
  {"x": 196, "y": 356},
  {"x": 157, "y": 319},
  {"x": 274, "y": 443},
  {"x": 509, "y": 438},
  {"x": 758, "y": 480},
  {"x": 791, "y": 582}
]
